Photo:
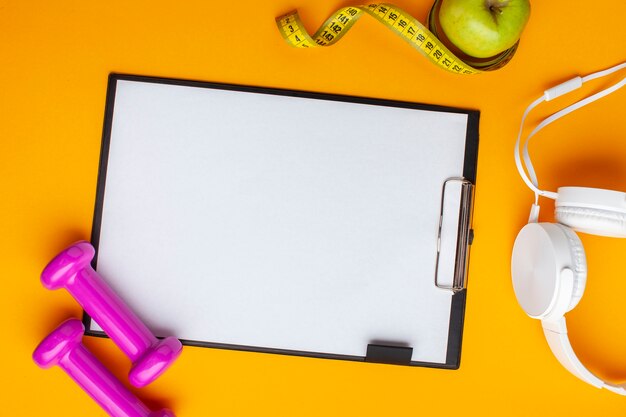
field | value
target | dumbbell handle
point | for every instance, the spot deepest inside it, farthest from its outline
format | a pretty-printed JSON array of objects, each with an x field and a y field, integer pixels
[
  {"x": 101, "y": 385},
  {"x": 63, "y": 347},
  {"x": 111, "y": 313}
]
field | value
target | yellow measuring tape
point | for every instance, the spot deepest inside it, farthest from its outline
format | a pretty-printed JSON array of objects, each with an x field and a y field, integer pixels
[{"x": 401, "y": 23}]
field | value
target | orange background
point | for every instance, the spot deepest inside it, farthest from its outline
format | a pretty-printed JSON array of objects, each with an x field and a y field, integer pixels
[{"x": 54, "y": 61}]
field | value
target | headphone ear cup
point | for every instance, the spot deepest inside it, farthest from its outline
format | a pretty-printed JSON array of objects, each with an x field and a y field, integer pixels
[
  {"x": 579, "y": 263},
  {"x": 592, "y": 210},
  {"x": 541, "y": 253},
  {"x": 592, "y": 220}
]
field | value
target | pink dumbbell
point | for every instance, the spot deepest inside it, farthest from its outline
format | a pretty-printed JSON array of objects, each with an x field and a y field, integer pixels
[
  {"x": 71, "y": 269},
  {"x": 64, "y": 347}
]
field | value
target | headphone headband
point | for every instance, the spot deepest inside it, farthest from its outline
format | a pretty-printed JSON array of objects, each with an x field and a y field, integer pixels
[{"x": 556, "y": 335}]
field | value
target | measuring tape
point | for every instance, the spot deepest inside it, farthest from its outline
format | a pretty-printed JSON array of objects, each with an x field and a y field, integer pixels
[{"x": 401, "y": 23}]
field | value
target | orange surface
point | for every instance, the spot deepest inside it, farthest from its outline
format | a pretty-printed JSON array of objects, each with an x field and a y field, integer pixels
[{"x": 54, "y": 61}]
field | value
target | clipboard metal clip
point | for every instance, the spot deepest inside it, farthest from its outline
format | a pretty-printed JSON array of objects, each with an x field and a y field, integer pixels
[{"x": 455, "y": 234}]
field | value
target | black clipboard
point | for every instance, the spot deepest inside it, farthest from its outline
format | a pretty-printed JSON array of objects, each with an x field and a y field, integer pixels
[{"x": 136, "y": 104}]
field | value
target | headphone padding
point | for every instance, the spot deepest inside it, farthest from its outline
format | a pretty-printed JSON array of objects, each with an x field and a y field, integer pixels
[
  {"x": 579, "y": 266},
  {"x": 592, "y": 220}
]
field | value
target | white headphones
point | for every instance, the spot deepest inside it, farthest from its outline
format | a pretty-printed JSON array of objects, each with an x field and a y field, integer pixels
[{"x": 548, "y": 265}]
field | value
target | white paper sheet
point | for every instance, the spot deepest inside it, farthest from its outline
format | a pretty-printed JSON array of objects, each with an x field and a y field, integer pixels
[{"x": 278, "y": 222}]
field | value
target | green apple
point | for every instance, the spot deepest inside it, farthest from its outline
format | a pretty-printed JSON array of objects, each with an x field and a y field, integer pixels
[{"x": 483, "y": 28}]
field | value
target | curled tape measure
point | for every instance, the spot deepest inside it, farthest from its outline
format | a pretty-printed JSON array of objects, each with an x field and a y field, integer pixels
[{"x": 401, "y": 23}]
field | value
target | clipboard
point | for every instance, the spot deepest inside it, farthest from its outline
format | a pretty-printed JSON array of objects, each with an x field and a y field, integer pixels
[{"x": 289, "y": 222}]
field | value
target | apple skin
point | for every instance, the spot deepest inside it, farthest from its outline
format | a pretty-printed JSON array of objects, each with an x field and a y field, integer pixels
[{"x": 483, "y": 28}]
